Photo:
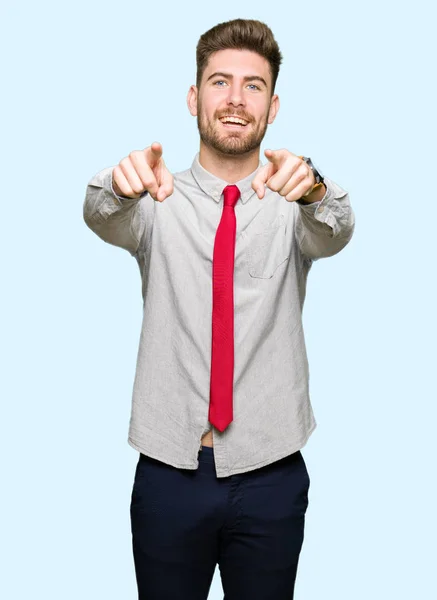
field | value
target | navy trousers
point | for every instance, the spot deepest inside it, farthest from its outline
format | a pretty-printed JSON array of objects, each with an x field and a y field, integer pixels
[{"x": 185, "y": 522}]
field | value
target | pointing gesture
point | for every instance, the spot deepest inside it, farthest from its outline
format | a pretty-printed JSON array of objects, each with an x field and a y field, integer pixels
[
  {"x": 285, "y": 173},
  {"x": 143, "y": 170}
]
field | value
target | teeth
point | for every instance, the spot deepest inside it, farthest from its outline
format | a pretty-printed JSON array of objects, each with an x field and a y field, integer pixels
[{"x": 233, "y": 120}]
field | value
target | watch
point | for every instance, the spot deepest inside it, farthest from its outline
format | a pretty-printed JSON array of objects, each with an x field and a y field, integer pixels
[{"x": 317, "y": 174}]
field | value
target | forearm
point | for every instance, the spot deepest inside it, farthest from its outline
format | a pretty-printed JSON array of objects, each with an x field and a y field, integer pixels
[
  {"x": 118, "y": 221},
  {"x": 325, "y": 226}
]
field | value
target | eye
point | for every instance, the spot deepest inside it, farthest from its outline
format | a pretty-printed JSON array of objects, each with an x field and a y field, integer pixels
[{"x": 250, "y": 84}]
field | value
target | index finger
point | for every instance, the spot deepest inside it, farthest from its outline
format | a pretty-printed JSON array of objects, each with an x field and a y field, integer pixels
[
  {"x": 153, "y": 154},
  {"x": 274, "y": 156}
]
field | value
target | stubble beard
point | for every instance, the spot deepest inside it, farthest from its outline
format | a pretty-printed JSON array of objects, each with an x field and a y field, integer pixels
[{"x": 229, "y": 142}]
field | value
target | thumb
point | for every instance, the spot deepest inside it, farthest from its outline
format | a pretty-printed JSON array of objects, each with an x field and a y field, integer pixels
[{"x": 166, "y": 184}]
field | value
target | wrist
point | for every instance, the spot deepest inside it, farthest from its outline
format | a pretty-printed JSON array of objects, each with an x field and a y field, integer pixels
[{"x": 317, "y": 194}]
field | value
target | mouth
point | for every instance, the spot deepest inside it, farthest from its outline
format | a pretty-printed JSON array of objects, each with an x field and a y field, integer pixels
[{"x": 233, "y": 123}]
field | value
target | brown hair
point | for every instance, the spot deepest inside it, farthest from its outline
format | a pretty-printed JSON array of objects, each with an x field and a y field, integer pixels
[{"x": 240, "y": 34}]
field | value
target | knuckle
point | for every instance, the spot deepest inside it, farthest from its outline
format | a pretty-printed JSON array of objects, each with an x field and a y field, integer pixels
[{"x": 151, "y": 184}]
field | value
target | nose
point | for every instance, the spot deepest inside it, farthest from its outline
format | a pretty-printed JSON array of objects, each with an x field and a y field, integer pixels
[{"x": 236, "y": 97}]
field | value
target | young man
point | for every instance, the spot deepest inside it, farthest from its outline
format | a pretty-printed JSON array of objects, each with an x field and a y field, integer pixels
[{"x": 220, "y": 406}]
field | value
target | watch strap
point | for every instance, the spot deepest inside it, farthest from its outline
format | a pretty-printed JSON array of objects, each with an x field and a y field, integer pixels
[{"x": 316, "y": 175}]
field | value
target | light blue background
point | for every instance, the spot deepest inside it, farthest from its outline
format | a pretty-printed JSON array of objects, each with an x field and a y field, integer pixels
[{"x": 85, "y": 83}]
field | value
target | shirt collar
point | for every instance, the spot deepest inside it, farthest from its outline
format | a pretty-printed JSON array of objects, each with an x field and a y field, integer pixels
[{"x": 213, "y": 186}]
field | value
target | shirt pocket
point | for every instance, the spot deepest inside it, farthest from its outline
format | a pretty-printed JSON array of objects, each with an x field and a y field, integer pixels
[{"x": 268, "y": 249}]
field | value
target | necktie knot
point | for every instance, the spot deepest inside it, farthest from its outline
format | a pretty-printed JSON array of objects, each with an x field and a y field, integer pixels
[{"x": 231, "y": 195}]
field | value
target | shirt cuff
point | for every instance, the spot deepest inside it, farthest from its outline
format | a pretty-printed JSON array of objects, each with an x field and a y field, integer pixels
[{"x": 330, "y": 209}]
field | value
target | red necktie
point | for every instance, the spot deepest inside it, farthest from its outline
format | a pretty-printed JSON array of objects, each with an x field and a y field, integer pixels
[{"x": 222, "y": 349}]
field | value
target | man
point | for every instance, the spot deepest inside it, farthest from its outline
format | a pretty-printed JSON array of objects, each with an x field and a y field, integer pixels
[{"x": 220, "y": 406}]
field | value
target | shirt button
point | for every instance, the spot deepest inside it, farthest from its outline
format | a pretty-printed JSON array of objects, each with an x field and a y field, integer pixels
[{"x": 321, "y": 209}]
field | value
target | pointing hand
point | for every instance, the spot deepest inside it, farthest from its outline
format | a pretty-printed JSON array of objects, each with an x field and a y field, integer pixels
[
  {"x": 286, "y": 174},
  {"x": 143, "y": 170}
]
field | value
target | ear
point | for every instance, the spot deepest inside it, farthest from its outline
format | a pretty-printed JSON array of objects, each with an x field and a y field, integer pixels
[
  {"x": 274, "y": 107},
  {"x": 192, "y": 100}
]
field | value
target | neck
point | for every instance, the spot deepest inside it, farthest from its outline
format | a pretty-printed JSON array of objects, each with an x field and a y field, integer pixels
[{"x": 230, "y": 168}]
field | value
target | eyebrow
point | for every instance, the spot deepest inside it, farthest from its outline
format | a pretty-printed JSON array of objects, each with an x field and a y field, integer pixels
[{"x": 247, "y": 78}]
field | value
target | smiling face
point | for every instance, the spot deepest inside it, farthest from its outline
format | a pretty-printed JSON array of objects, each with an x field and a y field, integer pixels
[{"x": 235, "y": 83}]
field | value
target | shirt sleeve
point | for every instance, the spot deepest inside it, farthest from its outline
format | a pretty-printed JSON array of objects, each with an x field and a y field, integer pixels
[
  {"x": 118, "y": 220},
  {"x": 324, "y": 228}
]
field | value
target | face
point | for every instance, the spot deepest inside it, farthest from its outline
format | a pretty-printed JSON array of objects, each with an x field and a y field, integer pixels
[{"x": 235, "y": 83}]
